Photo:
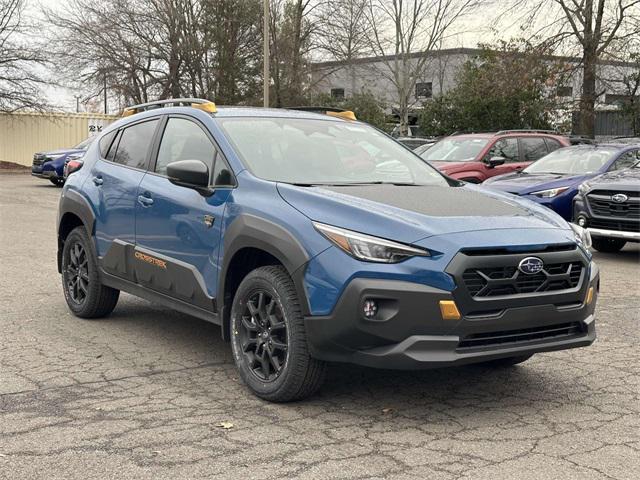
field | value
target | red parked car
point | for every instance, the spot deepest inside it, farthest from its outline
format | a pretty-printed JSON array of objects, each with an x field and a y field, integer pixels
[{"x": 475, "y": 157}]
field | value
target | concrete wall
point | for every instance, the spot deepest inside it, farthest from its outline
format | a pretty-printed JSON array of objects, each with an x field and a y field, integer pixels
[
  {"x": 23, "y": 134},
  {"x": 441, "y": 68}
]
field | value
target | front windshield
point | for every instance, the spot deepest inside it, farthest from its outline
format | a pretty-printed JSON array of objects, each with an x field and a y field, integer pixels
[
  {"x": 84, "y": 144},
  {"x": 572, "y": 161},
  {"x": 317, "y": 152},
  {"x": 454, "y": 149}
]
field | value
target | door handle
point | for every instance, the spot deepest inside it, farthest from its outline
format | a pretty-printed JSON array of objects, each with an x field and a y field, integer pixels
[
  {"x": 98, "y": 181},
  {"x": 145, "y": 201}
]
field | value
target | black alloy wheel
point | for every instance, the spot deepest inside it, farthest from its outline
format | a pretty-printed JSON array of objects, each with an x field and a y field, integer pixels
[
  {"x": 76, "y": 273},
  {"x": 84, "y": 292},
  {"x": 268, "y": 337},
  {"x": 263, "y": 336}
]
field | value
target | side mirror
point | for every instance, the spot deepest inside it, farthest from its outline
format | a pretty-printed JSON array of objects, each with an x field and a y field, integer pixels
[
  {"x": 495, "y": 161},
  {"x": 189, "y": 173}
]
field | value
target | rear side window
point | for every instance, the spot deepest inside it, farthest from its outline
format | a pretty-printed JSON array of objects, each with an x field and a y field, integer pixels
[
  {"x": 184, "y": 140},
  {"x": 105, "y": 143},
  {"x": 134, "y": 143},
  {"x": 533, "y": 148},
  {"x": 506, "y": 148}
]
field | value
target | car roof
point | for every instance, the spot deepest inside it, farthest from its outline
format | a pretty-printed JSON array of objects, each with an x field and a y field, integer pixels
[{"x": 506, "y": 134}]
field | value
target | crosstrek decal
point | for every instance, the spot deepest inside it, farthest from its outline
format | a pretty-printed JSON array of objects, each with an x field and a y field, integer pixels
[{"x": 152, "y": 260}]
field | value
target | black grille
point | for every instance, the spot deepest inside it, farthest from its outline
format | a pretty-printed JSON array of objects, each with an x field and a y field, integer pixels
[
  {"x": 611, "y": 224},
  {"x": 520, "y": 336},
  {"x": 602, "y": 205},
  {"x": 497, "y": 281},
  {"x": 39, "y": 159}
]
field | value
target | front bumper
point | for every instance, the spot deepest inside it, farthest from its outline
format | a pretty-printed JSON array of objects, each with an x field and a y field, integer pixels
[
  {"x": 48, "y": 174},
  {"x": 601, "y": 232},
  {"x": 408, "y": 331}
]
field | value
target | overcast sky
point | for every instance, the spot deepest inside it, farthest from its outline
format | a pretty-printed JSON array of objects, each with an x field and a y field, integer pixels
[{"x": 476, "y": 30}]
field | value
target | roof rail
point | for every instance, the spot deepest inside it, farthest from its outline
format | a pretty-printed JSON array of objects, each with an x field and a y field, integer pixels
[
  {"x": 331, "y": 111},
  {"x": 527, "y": 130},
  {"x": 199, "y": 103}
]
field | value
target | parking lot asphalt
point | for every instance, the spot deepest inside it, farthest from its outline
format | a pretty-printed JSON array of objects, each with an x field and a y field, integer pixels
[{"x": 143, "y": 393}]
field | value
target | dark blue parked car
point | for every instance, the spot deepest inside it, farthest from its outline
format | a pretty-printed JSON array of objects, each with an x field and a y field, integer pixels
[
  {"x": 313, "y": 238},
  {"x": 50, "y": 165},
  {"x": 553, "y": 180}
]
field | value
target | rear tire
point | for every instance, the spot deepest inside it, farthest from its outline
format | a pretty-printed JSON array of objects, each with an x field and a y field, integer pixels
[
  {"x": 268, "y": 338},
  {"x": 86, "y": 296},
  {"x": 58, "y": 182},
  {"x": 608, "y": 245},
  {"x": 507, "y": 362}
]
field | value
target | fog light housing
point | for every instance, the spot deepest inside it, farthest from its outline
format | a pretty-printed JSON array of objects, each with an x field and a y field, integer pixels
[
  {"x": 582, "y": 222},
  {"x": 449, "y": 310},
  {"x": 370, "y": 308}
]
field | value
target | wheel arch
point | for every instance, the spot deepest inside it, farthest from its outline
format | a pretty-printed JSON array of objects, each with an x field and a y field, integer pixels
[
  {"x": 251, "y": 242},
  {"x": 74, "y": 211}
]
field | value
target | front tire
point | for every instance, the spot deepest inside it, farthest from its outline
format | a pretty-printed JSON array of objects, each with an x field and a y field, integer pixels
[
  {"x": 268, "y": 338},
  {"x": 608, "y": 245},
  {"x": 86, "y": 296}
]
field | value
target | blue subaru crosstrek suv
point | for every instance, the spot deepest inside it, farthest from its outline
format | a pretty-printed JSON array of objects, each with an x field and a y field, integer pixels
[{"x": 313, "y": 238}]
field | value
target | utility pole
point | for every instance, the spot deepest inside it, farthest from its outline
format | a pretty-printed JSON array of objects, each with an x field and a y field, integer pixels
[
  {"x": 265, "y": 61},
  {"x": 77, "y": 97},
  {"x": 104, "y": 90}
]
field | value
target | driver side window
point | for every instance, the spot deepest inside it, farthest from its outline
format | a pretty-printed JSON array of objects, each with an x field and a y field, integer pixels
[
  {"x": 505, "y": 147},
  {"x": 184, "y": 140}
]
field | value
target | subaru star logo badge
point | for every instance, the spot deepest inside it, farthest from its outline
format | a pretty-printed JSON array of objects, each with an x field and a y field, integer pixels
[
  {"x": 619, "y": 198},
  {"x": 531, "y": 265}
]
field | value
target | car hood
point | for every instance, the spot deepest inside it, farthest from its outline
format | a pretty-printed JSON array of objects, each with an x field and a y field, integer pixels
[
  {"x": 412, "y": 213},
  {"x": 62, "y": 151},
  {"x": 628, "y": 179},
  {"x": 524, "y": 183},
  {"x": 450, "y": 166}
]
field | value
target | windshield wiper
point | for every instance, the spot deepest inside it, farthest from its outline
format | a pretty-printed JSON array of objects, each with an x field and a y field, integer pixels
[{"x": 349, "y": 184}]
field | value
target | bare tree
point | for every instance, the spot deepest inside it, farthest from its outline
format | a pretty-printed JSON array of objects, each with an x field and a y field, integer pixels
[
  {"x": 20, "y": 82},
  {"x": 344, "y": 33},
  {"x": 403, "y": 31},
  {"x": 292, "y": 29},
  {"x": 593, "y": 27}
]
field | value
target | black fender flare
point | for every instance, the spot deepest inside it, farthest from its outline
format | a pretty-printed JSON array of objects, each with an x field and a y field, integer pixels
[
  {"x": 249, "y": 231},
  {"x": 76, "y": 204}
]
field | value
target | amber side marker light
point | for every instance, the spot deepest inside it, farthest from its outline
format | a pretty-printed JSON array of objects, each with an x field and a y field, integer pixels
[
  {"x": 449, "y": 310},
  {"x": 589, "y": 296}
]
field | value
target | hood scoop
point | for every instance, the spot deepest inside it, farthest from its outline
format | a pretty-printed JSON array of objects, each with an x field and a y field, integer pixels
[{"x": 430, "y": 201}]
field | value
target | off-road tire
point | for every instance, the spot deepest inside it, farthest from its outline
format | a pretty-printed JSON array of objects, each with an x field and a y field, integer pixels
[
  {"x": 99, "y": 300},
  {"x": 300, "y": 375}
]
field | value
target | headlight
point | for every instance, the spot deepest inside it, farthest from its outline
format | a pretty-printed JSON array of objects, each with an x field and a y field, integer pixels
[
  {"x": 367, "y": 248},
  {"x": 582, "y": 235},
  {"x": 75, "y": 156},
  {"x": 554, "y": 192},
  {"x": 584, "y": 188}
]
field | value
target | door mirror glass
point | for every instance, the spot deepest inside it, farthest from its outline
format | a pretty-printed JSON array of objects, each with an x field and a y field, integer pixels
[
  {"x": 495, "y": 161},
  {"x": 189, "y": 173}
]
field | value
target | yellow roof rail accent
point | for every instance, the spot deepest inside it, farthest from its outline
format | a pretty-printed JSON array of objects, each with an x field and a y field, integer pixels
[
  {"x": 209, "y": 107},
  {"x": 346, "y": 114},
  {"x": 199, "y": 103}
]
